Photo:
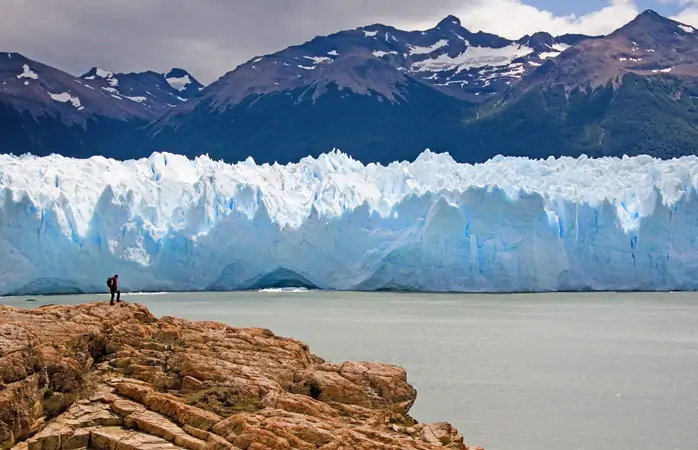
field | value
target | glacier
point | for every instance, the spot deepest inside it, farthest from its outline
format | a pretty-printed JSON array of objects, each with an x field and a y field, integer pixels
[{"x": 168, "y": 223}]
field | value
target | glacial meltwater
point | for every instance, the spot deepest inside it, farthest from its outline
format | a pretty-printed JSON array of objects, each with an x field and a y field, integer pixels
[{"x": 591, "y": 371}]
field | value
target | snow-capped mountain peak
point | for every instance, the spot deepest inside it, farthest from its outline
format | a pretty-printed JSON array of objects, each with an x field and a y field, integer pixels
[
  {"x": 472, "y": 64},
  {"x": 154, "y": 91},
  {"x": 97, "y": 72},
  {"x": 31, "y": 86},
  {"x": 178, "y": 80},
  {"x": 183, "y": 81},
  {"x": 648, "y": 45},
  {"x": 448, "y": 56}
]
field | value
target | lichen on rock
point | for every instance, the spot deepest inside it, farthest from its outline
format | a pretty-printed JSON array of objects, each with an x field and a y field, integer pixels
[{"x": 117, "y": 377}]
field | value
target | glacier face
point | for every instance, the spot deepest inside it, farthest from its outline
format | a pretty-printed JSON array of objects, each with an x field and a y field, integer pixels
[{"x": 511, "y": 224}]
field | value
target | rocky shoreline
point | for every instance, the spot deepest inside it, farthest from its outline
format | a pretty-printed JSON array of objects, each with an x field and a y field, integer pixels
[{"x": 118, "y": 378}]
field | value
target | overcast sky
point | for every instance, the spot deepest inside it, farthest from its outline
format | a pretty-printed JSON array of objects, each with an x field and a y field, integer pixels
[{"x": 211, "y": 37}]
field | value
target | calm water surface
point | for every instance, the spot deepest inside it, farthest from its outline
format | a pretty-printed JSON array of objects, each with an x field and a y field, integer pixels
[{"x": 512, "y": 372}]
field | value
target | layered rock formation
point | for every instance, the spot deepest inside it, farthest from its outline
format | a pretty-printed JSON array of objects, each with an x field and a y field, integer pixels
[{"x": 95, "y": 376}]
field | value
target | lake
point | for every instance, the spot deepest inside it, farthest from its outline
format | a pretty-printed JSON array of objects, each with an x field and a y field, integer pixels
[{"x": 513, "y": 372}]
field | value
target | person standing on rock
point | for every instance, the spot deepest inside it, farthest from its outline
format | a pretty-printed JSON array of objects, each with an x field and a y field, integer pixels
[{"x": 113, "y": 284}]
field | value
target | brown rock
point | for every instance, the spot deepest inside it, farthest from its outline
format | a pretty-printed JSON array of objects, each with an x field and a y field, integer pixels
[
  {"x": 79, "y": 439},
  {"x": 218, "y": 443},
  {"x": 120, "y": 439},
  {"x": 174, "y": 408},
  {"x": 125, "y": 408},
  {"x": 441, "y": 432},
  {"x": 118, "y": 378},
  {"x": 191, "y": 384},
  {"x": 197, "y": 433}
]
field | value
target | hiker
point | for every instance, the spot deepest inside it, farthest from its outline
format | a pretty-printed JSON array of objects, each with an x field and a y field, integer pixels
[{"x": 113, "y": 284}]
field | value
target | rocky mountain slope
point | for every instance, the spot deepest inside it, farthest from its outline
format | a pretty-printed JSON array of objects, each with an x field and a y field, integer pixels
[
  {"x": 45, "y": 110},
  {"x": 30, "y": 86},
  {"x": 157, "y": 92},
  {"x": 99, "y": 376},
  {"x": 448, "y": 57},
  {"x": 632, "y": 92},
  {"x": 648, "y": 45}
]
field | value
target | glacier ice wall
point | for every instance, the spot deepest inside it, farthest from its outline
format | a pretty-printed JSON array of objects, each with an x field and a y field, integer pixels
[{"x": 511, "y": 224}]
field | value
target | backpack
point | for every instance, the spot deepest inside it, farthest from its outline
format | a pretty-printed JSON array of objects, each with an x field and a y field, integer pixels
[{"x": 110, "y": 282}]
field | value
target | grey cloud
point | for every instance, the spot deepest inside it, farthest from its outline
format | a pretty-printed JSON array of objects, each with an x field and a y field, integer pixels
[{"x": 206, "y": 37}]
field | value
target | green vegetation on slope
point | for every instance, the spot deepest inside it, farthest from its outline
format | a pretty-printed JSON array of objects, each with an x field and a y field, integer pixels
[{"x": 655, "y": 115}]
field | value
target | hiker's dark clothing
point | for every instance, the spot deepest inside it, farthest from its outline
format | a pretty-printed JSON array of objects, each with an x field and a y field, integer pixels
[{"x": 114, "y": 289}]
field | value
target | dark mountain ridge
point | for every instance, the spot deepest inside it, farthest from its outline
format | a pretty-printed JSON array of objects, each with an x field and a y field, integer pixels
[{"x": 381, "y": 94}]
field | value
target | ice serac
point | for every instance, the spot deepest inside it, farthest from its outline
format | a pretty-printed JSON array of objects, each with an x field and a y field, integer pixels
[{"x": 511, "y": 224}]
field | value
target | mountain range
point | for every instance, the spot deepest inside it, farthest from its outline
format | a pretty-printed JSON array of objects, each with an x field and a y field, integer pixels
[{"x": 380, "y": 94}]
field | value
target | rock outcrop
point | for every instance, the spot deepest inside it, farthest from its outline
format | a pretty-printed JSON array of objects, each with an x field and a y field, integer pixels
[{"x": 118, "y": 378}]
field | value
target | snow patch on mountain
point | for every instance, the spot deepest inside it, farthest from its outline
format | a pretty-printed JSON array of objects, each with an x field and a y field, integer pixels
[
  {"x": 65, "y": 97},
  {"x": 416, "y": 50},
  {"x": 179, "y": 83},
  {"x": 104, "y": 74},
  {"x": 27, "y": 72},
  {"x": 116, "y": 94},
  {"x": 473, "y": 57},
  {"x": 319, "y": 59},
  {"x": 137, "y": 98}
]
